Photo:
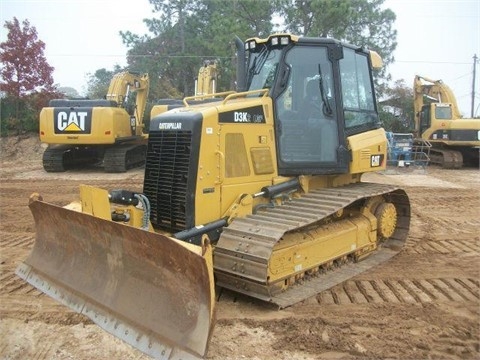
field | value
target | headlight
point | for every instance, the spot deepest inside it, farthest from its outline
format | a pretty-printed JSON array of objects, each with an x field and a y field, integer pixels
[{"x": 284, "y": 40}]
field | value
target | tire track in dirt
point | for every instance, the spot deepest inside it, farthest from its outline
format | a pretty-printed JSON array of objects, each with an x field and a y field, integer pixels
[
  {"x": 13, "y": 244},
  {"x": 16, "y": 240},
  {"x": 424, "y": 246},
  {"x": 43, "y": 353},
  {"x": 410, "y": 291},
  {"x": 15, "y": 285}
]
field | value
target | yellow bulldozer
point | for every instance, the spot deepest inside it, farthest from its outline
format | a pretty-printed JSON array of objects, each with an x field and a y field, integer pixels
[
  {"x": 108, "y": 131},
  {"x": 455, "y": 140},
  {"x": 258, "y": 192}
]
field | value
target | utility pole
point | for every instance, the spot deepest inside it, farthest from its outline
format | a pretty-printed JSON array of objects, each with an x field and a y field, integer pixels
[{"x": 473, "y": 85}]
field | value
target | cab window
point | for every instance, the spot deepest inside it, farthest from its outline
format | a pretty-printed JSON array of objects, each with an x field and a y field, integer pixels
[
  {"x": 357, "y": 92},
  {"x": 443, "y": 112}
]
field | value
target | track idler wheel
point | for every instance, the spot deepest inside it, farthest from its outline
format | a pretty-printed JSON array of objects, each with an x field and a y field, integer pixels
[{"x": 386, "y": 215}]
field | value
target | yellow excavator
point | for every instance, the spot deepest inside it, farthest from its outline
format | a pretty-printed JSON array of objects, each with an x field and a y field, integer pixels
[
  {"x": 455, "y": 140},
  {"x": 258, "y": 192},
  {"x": 206, "y": 82},
  {"x": 205, "y": 86},
  {"x": 110, "y": 130}
]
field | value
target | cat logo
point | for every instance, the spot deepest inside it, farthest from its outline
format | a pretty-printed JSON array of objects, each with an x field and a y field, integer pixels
[
  {"x": 72, "y": 121},
  {"x": 376, "y": 160}
]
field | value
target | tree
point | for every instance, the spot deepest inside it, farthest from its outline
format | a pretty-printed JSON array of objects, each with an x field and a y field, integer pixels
[
  {"x": 245, "y": 19},
  {"x": 397, "y": 110},
  {"x": 181, "y": 40},
  {"x": 359, "y": 22},
  {"x": 69, "y": 92},
  {"x": 184, "y": 33},
  {"x": 166, "y": 56},
  {"x": 24, "y": 66},
  {"x": 25, "y": 77},
  {"x": 98, "y": 82}
]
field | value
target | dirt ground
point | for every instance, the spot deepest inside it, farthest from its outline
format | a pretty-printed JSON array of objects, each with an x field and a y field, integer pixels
[{"x": 422, "y": 304}]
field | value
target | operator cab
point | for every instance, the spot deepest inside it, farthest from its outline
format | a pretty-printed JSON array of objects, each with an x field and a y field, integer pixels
[{"x": 322, "y": 92}]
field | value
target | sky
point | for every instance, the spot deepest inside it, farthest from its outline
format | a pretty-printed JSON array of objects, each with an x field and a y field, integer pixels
[{"x": 436, "y": 38}]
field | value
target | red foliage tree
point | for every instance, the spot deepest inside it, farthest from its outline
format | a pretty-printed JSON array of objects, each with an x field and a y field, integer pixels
[
  {"x": 24, "y": 67},
  {"x": 25, "y": 78}
]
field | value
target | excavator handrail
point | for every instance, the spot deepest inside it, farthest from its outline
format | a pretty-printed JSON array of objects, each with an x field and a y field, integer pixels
[{"x": 205, "y": 96}]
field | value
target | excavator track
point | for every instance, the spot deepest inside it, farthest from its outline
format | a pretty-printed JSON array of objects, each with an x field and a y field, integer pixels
[
  {"x": 121, "y": 158},
  {"x": 62, "y": 158},
  {"x": 243, "y": 254},
  {"x": 446, "y": 158}
]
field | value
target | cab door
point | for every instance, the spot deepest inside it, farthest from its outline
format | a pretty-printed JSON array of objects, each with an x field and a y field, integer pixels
[{"x": 309, "y": 137}]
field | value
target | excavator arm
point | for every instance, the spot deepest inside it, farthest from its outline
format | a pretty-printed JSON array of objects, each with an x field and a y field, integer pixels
[
  {"x": 205, "y": 83},
  {"x": 435, "y": 91},
  {"x": 122, "y": 90}
]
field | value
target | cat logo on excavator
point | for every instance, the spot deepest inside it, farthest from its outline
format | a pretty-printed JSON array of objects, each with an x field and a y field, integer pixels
[{"x": 72, "y": 121}]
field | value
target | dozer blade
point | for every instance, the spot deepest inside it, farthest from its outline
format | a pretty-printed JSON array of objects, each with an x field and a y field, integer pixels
[{"x": 148, "y": 289}]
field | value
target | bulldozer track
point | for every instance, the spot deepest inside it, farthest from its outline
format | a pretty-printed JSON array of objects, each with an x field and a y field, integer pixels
[
  {"x": 243, "y": 251},
  {"x": 402, "y": 291}
]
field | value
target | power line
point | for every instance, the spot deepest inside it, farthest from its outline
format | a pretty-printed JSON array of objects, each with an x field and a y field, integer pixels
[
  {"x": 431, "y": 62},
  {"x": 461, "y": 77},
  {"x": 139, "y": 55}
]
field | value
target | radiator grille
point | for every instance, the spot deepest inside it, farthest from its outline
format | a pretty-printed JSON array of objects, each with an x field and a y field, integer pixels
[{"x": 166, "y": 179}]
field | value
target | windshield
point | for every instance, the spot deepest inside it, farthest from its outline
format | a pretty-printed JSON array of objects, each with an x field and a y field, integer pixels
[
  {"x": 262, "y": 66},
  {"x": 443, "y": 112}
]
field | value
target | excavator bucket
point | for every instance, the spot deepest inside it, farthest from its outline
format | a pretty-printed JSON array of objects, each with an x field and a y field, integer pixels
[{"x": 152, "y": 291}]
